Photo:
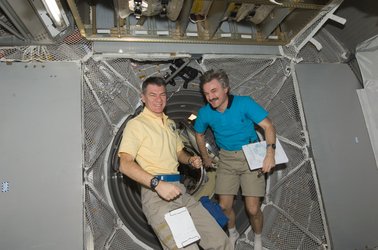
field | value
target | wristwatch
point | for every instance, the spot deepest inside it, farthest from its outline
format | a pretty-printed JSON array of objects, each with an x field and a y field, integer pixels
[
  {"x": 271, "y": 145},
  {"x": 154, "y": 182}
]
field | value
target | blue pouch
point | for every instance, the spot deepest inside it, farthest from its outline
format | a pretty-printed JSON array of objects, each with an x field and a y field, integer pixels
[{"x": 215, "y": 210}]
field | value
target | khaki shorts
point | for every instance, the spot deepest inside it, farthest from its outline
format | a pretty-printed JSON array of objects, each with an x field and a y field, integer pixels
[
  {"x": 155, "y": 208},
  {"x": 233, "y": 172}
]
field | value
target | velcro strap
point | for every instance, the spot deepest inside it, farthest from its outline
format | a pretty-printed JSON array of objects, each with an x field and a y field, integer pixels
[{"x": 169, "y": 177}]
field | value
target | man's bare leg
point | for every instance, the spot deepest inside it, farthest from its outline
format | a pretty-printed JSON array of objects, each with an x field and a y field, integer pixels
[
  {"x": 226, "y": 202},
  {"x": 256, "y": 218}
]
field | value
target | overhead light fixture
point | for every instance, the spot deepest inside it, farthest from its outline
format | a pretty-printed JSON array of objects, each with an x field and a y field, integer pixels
[{"x": 54, "y": 11}]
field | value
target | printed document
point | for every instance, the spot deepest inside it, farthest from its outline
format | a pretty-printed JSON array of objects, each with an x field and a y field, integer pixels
[
  {"x": 182, "y": 227},
  {"x": 255, "y": 154}
]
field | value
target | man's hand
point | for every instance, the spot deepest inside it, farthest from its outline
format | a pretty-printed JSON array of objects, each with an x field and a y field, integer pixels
[
  {"x": 201, "y": 143},
  {"x": 207, "y": 162},
  {"x": 269, "y": 163},
  {"x": 270, "y": 137},
  {"x": 168, "y": 191},
  {"x": 195, "y": 161}
]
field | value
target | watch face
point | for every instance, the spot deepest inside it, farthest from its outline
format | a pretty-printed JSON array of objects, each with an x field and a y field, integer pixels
[
  {"x": 154, "y": 183},
  {"x": 274, "y": 146}
]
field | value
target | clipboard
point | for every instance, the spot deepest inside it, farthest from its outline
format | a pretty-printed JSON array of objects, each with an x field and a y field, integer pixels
[
  {"x": 182, "y": 227},
  {"x": 255, "y": 154}
]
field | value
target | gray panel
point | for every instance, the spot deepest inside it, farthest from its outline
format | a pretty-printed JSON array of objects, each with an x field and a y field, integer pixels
[
  {"x": 344, "y": 159},
  {"x": 41, "y": 160},
  {"x": 192, "y": 48}
]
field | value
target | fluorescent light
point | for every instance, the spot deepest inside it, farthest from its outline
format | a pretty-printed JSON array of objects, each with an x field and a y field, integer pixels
[
  {"x": 53, "y": 9},
  {"x": 192, "y": 117}
]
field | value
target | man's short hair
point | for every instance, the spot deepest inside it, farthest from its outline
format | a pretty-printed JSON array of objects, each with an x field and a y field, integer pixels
[
  {"x": 219, "y": 75},
  {"x": 153, "y": 80}
]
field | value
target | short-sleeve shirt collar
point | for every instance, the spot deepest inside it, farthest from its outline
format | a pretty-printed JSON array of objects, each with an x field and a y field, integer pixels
[
  {"x": 230, "y": 99},
  {"x": 148, "y": 113}
]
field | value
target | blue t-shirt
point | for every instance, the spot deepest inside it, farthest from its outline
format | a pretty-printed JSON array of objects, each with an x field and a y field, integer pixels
[{"x": 235, "y": 126}]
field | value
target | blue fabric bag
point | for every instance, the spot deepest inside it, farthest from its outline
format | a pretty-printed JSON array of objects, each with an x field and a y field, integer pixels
[{"x": 215, "y": 210}]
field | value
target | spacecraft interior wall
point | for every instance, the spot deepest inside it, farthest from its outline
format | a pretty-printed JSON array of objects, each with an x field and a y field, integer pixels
[{"x": 367, "y": 57}]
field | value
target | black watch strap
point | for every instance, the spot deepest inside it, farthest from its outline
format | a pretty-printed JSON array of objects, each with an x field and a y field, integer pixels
[
  {"x": 154, "y": 182},
  {"x": 271, "y": 145}
]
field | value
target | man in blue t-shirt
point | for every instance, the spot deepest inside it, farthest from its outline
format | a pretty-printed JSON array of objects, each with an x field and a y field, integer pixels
[{"x": 232, "y": 120}]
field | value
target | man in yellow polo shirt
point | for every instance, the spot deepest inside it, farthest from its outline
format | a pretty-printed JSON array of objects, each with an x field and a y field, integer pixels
[{"x": 150, "y": 152}]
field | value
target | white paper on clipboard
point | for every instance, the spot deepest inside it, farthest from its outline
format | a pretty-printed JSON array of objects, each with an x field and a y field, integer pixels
[
  {"x": 255, "y": 154},
  {"x": 182, "y": 227}
]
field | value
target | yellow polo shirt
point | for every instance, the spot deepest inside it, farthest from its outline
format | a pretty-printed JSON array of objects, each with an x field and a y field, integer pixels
[{"x": 153, "y": 142}]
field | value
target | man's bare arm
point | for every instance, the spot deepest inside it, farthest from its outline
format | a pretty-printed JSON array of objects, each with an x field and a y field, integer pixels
[
  {"x": 129, "y": 167},
  {"x": 194, "y": 161},
  {"x": 201, "y": 144},
  {"x": 270, "y": 137}
]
